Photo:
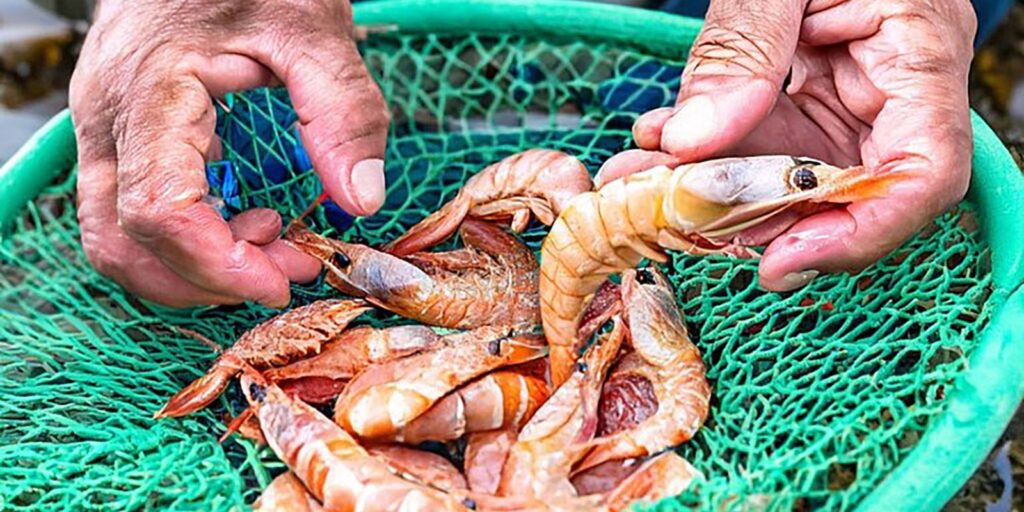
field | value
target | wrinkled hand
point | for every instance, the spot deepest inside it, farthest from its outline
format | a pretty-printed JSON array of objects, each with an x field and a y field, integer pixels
[
  {"x": 144, "y": 120},
  {"x": 878, "y": 82}
]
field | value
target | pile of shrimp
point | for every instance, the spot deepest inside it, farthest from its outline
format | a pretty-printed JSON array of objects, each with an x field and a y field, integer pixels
[{"x": 561, "y": 389}]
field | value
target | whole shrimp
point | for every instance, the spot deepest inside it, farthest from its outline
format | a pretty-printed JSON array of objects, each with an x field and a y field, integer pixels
[
  {"x": 321, "y": 378},
  {"x": 538, "y": 181},
  {"x": 504, "y": 399},
  {"x": 283, "y": 338},
  {"x": 540, "y": 462},
  {"x": 670, "y": 364},
  {"x": 385, "y": 398},
  {"x": 335, "y": 469},
  {"x": 491, "y": 281},
  {"x": 695, "y": 208}
]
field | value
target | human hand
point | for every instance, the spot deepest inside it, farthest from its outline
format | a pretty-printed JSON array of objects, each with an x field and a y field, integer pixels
[
  {"x": 873, "y": 82},
  {"x": 144, "y": 121}
]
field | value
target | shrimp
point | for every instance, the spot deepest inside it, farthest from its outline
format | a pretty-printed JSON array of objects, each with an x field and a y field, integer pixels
[
  {"x": 537, "y": 181},
  {"x": 286, "y": 494},
  {"x": 423, "y": 466},
  {"x": 602, "y": 478},
  {"x": 541, "y": 460},
  {"x": 696, "y": 208},
  {"x": 485, "y": 457},
  {"x": 382, "y": 400},
  {"x": 337, "y": 471},
  {"x": 499, "y": 400},
  {"x": 660, "y": 477},
  {"x": 285, "y": 337},
  {"x": 665, "y": 366},
  {"x": 321, "y": 378},
  {"x": 491, "y": 281}
]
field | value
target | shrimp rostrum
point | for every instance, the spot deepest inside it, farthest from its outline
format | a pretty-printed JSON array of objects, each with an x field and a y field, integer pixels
[{"x": 701, "y": 208}]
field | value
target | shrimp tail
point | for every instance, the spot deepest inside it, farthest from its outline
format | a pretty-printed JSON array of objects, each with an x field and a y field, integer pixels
[
  {"x": 200, "y": 393},
  {"x": 434, "y": 229}
]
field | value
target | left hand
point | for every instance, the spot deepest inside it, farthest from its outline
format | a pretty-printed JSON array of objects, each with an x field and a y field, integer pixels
[{"x": 878, "y": 83}]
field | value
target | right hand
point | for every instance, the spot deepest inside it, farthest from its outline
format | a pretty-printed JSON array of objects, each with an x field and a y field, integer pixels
[{"x": 144, "y": 121}]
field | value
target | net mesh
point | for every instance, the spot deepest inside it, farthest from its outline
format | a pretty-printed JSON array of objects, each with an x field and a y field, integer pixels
[{"x": 818, "y": 394}]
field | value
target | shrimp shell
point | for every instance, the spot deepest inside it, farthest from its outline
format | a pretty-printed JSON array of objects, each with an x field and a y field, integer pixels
[
  {"x": 537, "y": 181},
  {"x": 335, "y": 469},
  {"x": 381, "y": 401}
]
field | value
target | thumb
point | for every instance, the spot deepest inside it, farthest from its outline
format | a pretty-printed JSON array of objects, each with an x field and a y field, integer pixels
[
  {"x": 733, "y": 78},
  {"x": 343, "y": 119}
]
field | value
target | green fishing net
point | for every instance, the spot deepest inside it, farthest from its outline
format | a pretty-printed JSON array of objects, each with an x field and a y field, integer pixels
[{"x": 818, "y": 394}]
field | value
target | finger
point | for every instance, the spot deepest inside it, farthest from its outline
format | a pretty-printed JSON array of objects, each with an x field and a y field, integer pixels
[
  {"x": 115, "y": 255},
  {"x": 229, "y": 72},
  {"x": 630, "y": 162},
  {"x": 296, "y": 265},
  {"x": 733, "y": 78},
  {"x": 841, "y": 240},
  {"x": 214, "y": 150},
  {"x": 343, "y": 119},
  {"x": 258, "y": 225},
  {"x": 830, "y": 22},
  {"x": 647, "y": 128},
  {"x": 144, "y": 275},
  {"x": 160, "y": 186}
]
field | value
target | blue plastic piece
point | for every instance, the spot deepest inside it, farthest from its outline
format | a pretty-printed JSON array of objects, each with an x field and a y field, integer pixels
[
  {"x": 224, "y": 187},
  {"x": 336, "y": 217}
]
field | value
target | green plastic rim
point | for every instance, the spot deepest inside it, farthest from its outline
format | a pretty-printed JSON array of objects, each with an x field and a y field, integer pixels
[{"x": 983, "y": 398}]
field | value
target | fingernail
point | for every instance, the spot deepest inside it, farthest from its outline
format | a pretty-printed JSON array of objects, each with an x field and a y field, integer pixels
[
  {"x": 691, "y": 127},
  {"x": 795, "y": 280},
  {"x": 368, "y": 181}
]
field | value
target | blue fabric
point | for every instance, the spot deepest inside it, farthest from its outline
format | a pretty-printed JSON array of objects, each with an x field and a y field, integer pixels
[{"x": 990, "y": 13}]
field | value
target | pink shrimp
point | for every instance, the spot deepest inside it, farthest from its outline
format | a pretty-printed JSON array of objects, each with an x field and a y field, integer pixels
[
  {"x": 537, "y": 181},
  {"x": 336, "y": 470},
  {"x": 490, "y": 281},
  {"x": 383, "y": 400},
  {"x": 285, "y": 337},
  {"x": 665, "y": 366}
]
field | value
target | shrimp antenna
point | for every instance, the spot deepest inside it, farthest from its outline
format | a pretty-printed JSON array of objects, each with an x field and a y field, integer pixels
[{"x": 309, "y": 209}]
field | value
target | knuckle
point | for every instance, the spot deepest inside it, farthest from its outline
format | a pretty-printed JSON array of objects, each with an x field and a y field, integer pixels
[
  {"x": 143, "y": 218},
  {"x": 722, "y": 50}
]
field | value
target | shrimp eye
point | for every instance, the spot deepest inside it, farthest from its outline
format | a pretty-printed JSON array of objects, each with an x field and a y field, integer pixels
[
  {"x": 581, "y": 367},
  {"x": 804, "y": 179},
  {"x": 257, "y": 392},
  {"x": 494, "y": 347},
  {"x": 644, "y": 276},
  {"x": 469, "y": 503},
  {"x": 340, "y": 260}
]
